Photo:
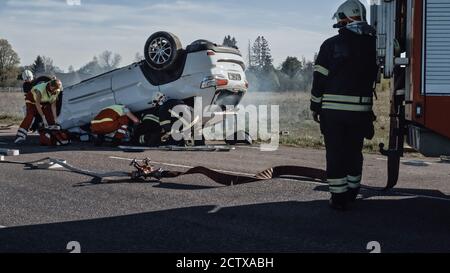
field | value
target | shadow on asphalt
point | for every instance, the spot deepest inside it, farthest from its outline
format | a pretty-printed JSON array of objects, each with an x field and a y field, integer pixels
[
  {"x": 369, "y": 191},
  {"x": 154, "y": 183},
  {"x": 404, "y": 225}
]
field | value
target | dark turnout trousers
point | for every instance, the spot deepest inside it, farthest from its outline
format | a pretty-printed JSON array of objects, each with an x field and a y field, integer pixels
[{"x": 344, "y": 133}]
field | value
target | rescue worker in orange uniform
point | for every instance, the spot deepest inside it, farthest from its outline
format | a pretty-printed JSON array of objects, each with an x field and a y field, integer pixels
[
  {"x": 113, "y": 120},
  {"x": 41, "y": 100}
]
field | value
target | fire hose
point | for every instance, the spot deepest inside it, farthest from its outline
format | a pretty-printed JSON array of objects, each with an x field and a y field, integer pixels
[{"x": 145, "y": 170}]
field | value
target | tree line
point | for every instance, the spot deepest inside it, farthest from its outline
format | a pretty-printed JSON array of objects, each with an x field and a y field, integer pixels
[
  {"x": 10, "y": 68},
  {"x": 292, "y": 74}
]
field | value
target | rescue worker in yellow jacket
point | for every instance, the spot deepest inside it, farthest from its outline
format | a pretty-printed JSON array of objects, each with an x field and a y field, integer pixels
[
  {"x": 113, "y": 120},
  {"x": 342, "y": 97},
  {"x": 41, "y": 100}
]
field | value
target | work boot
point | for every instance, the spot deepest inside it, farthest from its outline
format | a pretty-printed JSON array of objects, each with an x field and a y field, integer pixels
[
  {"x": 338, "y": 201},
  {"x": 352, "y": 194}
]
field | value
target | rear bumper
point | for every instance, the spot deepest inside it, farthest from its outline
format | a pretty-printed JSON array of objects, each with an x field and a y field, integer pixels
[{"x": 227, "y": 98}]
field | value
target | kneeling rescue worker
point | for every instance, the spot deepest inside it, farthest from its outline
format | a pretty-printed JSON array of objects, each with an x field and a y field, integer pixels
[
  {"x": 113, "y": 120},
  {"x": 40, "y": 100},
  {"x": 342, "y": 97}
]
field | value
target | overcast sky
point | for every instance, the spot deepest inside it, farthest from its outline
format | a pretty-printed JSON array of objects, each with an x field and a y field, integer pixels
[{"x": 73, "y": 34}]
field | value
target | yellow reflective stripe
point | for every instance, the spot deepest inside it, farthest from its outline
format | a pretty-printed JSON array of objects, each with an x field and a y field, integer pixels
[
  {"x": 343, "y": 98},
  {"x": 322, "y": 70},
  {"x": 354, "y": 181},
  {"x": 338, "y": 185},
  {"x": 151, "y": 117},
  {"x": 346, "y": 107},
  {"x": 164, "y": 122},
  {"x": 101, "y": 120},
  {"x": 338, "y": 181},
  {"x": 142, "y": 139},
  {"x": 316, "y": 99},
  {"x": 354, "y": 178},
  {"x": 29, "y": 101}
]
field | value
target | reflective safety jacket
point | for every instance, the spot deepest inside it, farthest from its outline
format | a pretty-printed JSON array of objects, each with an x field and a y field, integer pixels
[
  {"x": 46, "y": 97},
  {"x": 345, "y": 72}
]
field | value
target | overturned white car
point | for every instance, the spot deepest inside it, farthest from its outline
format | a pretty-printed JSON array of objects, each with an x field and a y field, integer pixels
[{"x": 203, "y": 69}]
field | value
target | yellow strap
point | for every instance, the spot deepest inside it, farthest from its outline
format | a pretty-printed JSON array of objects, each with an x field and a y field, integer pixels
[
  {"x": 101, "y": 120},
  {"x": 322, "y": 70},
  {"x": 346, "y": 107},
  {"x": 343, "y": 98}
]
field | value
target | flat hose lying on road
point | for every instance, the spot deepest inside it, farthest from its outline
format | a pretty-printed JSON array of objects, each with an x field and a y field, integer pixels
[
  {"x": 218, "y": 177},
  {"x": 229, "y": 179}
]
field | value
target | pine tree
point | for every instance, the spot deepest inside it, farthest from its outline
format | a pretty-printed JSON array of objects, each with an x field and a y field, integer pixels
[
  {"x": 266, "y": 56},
  {"x": 38, "y": 67},
  {"x": 256, "y": 54},
  {"x": 249, "y": 56},
  {"x": 261, "y": 57},
  {"x": 230, "y": 42}
]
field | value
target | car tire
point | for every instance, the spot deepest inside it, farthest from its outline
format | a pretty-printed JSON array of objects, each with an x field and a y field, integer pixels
[{"x": 162, "y": 50}]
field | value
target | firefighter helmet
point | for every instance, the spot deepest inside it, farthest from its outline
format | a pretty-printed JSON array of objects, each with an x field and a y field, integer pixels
[
  {"x": 27, "y": 75},
  {"x": 352, "y": 10}
]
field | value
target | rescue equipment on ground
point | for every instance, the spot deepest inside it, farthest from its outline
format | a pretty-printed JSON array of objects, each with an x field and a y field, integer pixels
[{"x": 145, "y": 170}]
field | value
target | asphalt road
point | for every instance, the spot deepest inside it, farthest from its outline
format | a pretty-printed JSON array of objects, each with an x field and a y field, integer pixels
[{"x": 43, "y": 210}]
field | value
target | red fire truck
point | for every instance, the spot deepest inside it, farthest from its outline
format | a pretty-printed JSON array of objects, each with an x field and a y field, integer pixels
[{"x": 414, "y": 52}]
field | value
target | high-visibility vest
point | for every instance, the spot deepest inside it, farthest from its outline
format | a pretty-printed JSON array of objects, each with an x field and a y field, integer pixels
[
  {"x": 119, "y": 109},
  {"x": 46, "y": 97}
]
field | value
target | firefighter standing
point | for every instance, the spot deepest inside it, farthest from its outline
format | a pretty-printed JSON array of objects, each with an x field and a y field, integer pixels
[
  {"x": 342, "y": 97},
  {"x": 113, "y": 120},
  {"x": 41, "y": 100}
]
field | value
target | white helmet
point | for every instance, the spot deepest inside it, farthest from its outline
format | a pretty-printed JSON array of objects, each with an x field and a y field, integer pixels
[
  {"x": 27, "y": 75},
  {"x": 350, "y": 9}
]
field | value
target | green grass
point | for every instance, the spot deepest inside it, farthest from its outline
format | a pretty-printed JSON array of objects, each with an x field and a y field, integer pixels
[
  {"x": 7, "y": 119},
  {"x": 11, "y": 104},
  {"x": 295, "y": 117}
]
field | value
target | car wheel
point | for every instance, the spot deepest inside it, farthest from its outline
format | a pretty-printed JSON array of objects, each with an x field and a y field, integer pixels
[{"x": 161, "y": 50}]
